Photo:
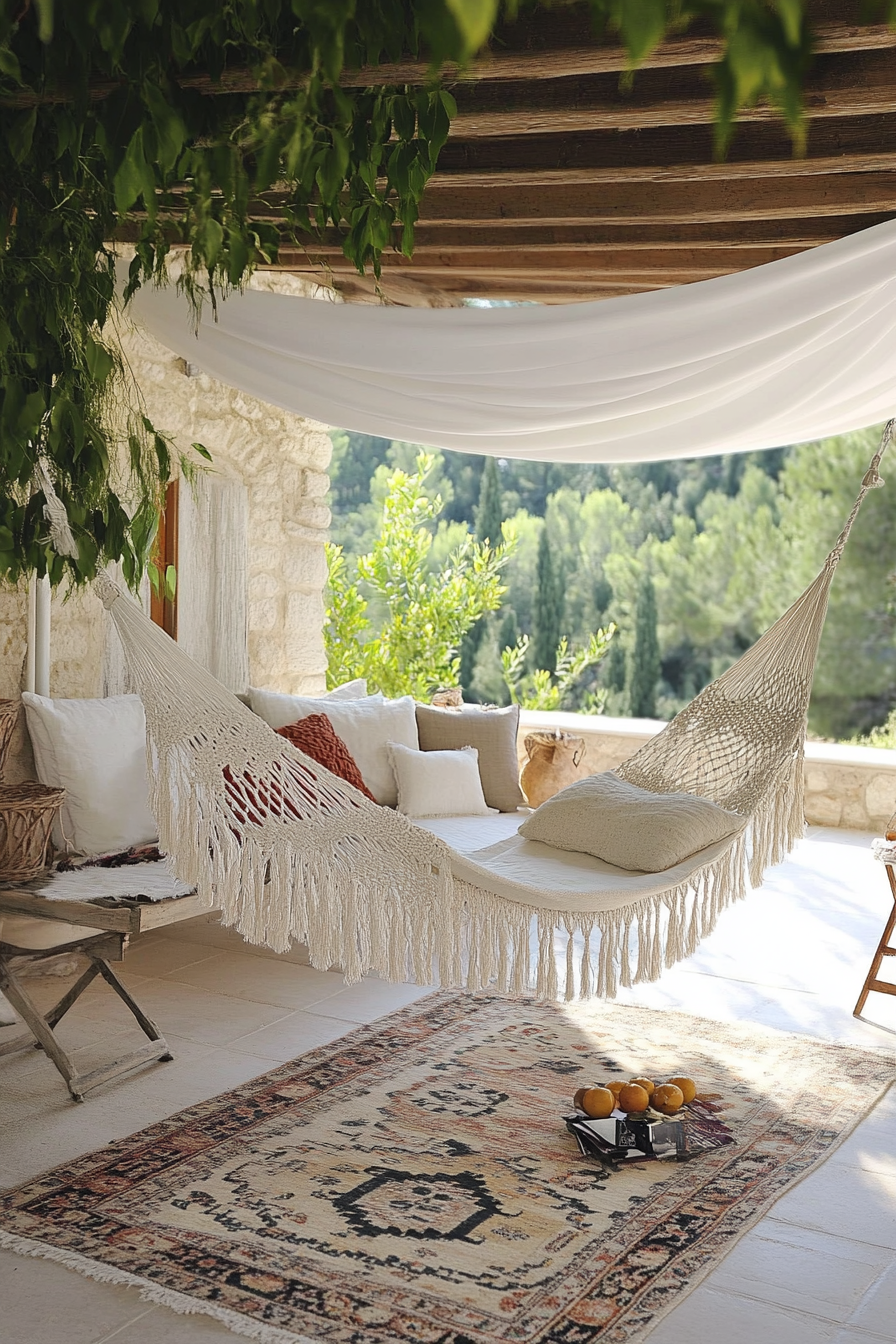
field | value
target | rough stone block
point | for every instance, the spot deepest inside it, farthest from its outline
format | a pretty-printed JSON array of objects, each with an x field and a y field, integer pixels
[
  {"x": 315, "y": 484},
  {"x": 816, "y": 779},
  {"x": 303, "y": 643},
  {"x": 855, "y": 817},
  {"x": 264, "y": 585},
  {"x": 313, "y": 515},
  {"x": 822, "y": 809},
  {"x": 880, "y": 794},
  {"x": 304, "y": 565},
  {"x": 264, "y": 613}
]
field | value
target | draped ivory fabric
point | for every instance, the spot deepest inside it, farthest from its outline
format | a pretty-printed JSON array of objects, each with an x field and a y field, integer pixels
[{"x": 791, "y": 351}]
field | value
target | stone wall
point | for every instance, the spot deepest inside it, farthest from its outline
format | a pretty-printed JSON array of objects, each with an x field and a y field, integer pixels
[
  {"x": 76, "y": 658},
  {"x": 281, "y": 460},
  {"x": 853, "y": 787}
]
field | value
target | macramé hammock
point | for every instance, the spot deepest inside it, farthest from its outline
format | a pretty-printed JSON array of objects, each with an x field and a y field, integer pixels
[{"x": 291, "y": 853}]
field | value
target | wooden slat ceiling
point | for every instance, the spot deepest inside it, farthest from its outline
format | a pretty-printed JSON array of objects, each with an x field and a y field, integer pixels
[{"x": 560, "y": 183}]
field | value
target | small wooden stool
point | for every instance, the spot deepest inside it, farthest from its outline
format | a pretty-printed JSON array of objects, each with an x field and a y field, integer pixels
[
  {"x": 883, "y": 950},
  {"x": 100, "y": 948}
]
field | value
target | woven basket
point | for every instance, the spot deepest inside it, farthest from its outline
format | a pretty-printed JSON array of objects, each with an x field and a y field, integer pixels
[
  {"x": 27, "y": 813},
  {"x": 9, "y": 713}
]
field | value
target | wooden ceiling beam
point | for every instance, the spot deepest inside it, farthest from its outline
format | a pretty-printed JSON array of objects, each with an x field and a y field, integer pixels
[
  {"x": 881, "y": 161},
  {"x": 556, "y": 260},
  {"x": 451, "y": 292},
  {"x": 850, "y": 141},
  {"x": 852, "y": 84},
  {"x": 575, "y": 50},
  {"x": 667, "y": 202},
  {"x": 800, "y": 233},
  {"x": 795, "y": 234}
]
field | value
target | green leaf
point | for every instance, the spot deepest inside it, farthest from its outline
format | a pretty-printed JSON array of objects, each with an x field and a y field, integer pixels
[
  {"x": 9, "y": 64},
  {"x": 129, "y": 180},
  {"x": 44, "y": 19},
  {"x": 475, "y": 20},
  {"x": 19, "y": 133},
  {"x": 201, "y": 449},
  {"x": 642, "y": 26},
  {"x": 171, "y": 133}
]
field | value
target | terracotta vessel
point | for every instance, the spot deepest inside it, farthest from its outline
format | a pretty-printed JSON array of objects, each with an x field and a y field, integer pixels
[{"x": 554, "y": 762}]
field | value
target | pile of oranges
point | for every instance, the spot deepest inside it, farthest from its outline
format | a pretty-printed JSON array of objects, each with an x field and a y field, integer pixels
[{"x": 635, "y": 1096}]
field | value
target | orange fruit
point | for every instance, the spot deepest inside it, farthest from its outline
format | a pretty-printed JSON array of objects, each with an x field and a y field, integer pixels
[
  {"x": 577, "y": 1099},
  {"x": 615, "y": 1088},
  {"x": 647, "y": 1085},
  {"x": 633, "y": 1097},
  {"x": 667, "y": 1099},
  {"x": 688, "y": 1088},
  {"x": 598, "y": 1102}
]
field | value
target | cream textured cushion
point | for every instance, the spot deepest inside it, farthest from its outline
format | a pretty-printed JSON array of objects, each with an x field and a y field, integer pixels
[
  {"x": 365, "y": 726},
  {"x": 96, "y": 751},
  {"x": 493, "y": 733},
  {"x": 438, "y": 783},
  {"x": 615, "y": 821}
]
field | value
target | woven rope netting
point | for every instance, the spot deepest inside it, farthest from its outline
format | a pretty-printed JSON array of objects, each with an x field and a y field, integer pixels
[{"x": 290, "y": 852}]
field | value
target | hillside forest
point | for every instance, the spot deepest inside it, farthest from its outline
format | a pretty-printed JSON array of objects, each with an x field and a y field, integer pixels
[{"x": 690, "y": 560}]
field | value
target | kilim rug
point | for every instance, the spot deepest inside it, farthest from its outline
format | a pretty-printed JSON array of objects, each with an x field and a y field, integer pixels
[{"x": 413, "y": 1183}]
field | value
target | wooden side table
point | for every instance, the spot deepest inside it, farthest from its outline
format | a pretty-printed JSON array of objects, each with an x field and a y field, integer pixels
[{"x": 872, "y": 984}]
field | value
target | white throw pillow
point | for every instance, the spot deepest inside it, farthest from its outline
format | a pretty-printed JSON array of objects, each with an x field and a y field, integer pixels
[
  {"x": 365, "y": 726},
  {"x": 349, "y": 690},
  {"x": 630, "y": 827},
  {"x": 96, "y": 751},
  {"x": 438, "y": 783}
]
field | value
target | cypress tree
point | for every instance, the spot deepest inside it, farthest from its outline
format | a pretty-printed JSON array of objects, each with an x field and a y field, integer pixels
[
  {"x": 547, "y": 613},
  {"x": 644, "y": 665},
  {"x": 489, "y": 517},
  {"x": 490, "y": 512}
]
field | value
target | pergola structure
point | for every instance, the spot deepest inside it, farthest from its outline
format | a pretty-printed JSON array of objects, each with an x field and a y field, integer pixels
[{"x": 565, "y": 179}]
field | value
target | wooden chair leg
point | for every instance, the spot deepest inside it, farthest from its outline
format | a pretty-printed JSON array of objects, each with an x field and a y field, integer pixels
[
  {"x": 41, "y": 1025},
  {"x": 39, "y": 1028},
  {"x": 147, "y": 1025},
  {"x": 872, "y": 984}
]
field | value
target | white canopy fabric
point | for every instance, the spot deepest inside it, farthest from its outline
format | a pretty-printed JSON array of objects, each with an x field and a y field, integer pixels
[{"x": 792, "y": 351}]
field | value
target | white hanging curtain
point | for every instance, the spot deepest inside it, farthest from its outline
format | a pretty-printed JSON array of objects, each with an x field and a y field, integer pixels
[
  {"x": 212, "y": 577},
  {"x": 787, "y": 352}
]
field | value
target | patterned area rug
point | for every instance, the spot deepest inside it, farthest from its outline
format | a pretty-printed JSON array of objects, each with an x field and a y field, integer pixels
[{"x": 413, "y": 1183}]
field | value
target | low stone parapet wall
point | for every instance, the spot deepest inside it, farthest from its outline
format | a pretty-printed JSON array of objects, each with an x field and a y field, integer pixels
[{"x": 854, "y": 787}]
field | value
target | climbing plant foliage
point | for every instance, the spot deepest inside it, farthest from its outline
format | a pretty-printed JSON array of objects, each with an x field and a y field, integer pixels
[{"x": 223, "y": 126}]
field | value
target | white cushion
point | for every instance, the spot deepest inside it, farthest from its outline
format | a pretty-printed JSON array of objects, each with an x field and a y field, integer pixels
[
  {"x": 438, "y": 783},
  {"x": 365, "y": 726},
  {"x": 630, "y": 827},
  {"x": 349, "y": 690},
  {"x": 96, "y": 751}
]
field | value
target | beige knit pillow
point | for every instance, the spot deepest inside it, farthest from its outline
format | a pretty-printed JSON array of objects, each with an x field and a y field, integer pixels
[
  {"x": 629, "y": 827},
  {"x": 492, "y": 732}
]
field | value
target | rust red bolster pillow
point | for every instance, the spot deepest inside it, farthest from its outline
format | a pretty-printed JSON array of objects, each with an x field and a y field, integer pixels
[{"x": 316, "y": 737}]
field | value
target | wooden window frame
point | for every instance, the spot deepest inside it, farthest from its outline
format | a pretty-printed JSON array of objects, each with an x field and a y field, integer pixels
[{"x": 163, "y": 610}]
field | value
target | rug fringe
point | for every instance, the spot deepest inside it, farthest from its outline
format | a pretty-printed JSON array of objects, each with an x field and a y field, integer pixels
[{"x": 151, "y": 1292}]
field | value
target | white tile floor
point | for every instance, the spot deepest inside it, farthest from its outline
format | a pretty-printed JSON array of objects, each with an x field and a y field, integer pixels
[{"x": 821, "y": 1267}]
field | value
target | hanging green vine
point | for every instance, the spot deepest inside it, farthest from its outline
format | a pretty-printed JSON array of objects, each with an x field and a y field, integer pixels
[{"x": 181, "y": 121}]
